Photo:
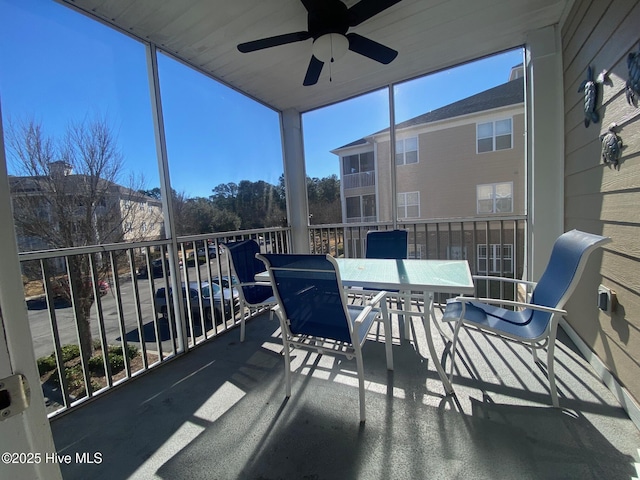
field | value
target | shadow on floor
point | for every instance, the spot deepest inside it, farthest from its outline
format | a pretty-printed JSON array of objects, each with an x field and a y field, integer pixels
[{"x": 219, "y": 412}]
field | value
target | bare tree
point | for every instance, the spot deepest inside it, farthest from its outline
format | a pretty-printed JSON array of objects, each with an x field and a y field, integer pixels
[{"x": 66, "y": 193}]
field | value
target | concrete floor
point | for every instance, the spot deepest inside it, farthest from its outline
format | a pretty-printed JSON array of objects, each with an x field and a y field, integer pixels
[{"x": 219, "y": 412}]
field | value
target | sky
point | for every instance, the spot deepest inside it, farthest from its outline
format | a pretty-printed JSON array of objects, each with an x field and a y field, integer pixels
[{"x": 57, "y": 67}]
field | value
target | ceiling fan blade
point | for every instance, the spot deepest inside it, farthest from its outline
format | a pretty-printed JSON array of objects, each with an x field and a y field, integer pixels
[
  {"x": 373, "y": 50},
  {"x": 365, "y": 9},
  {"x": 313, "y": 72},
  {"x": 273, "y": 41},
  {"x": 311, "y": 5}
]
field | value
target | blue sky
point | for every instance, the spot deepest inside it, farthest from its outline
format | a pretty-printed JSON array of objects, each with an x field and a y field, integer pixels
[{"x": 58, "y": 66}]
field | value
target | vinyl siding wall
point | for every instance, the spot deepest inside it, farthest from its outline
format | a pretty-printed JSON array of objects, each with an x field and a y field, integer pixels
[
  {"x": 449, "y": 168},
  {"x": 598, "y": 199}
]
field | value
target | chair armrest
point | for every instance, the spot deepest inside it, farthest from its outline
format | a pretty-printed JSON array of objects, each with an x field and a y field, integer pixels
[
  {"x": 251, "y": 284},
  {"x": 512, "y": 303},
  {"x": 378, "y": 298},
  {"x": 369, "y": 306},
  {"x": 504, "y": 279}
]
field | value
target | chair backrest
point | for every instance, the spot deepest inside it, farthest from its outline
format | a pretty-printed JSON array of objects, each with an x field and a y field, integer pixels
[
  {"x": 309, "y": 290},
  {"x": 387, "y": 244},
  {"x": 561, "y": 276},
  {"x": 245, "y": 265}
]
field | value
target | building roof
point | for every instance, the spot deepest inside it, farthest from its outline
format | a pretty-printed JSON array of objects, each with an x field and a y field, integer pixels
[
  {"x": 509, "y": 93},
  {"x": 34, "y": 185}
]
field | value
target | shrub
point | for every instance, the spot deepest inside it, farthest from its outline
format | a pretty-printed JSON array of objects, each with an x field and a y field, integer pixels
[
  {"x": 96, "y": 365},
  {"x": 46, "y": 364},
  {"x": 69, "y": 352},
  {"x": 132, "y": 350},
  {"x": 75, "y": 377},
  {"x": 116, "y": 362}
]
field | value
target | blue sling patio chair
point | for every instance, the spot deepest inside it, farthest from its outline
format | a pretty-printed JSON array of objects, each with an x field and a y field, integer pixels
[
  {"x": 533, "y": 323},
  {"x": 245, "y": 266},
  {"x": 390, "y": 244},
  {"x": 387, "y": 244},
  {"x": 314, "y": 313}
]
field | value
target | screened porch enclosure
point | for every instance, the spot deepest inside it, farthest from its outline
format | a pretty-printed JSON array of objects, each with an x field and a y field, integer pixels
[{"x": 134, "y": 331}]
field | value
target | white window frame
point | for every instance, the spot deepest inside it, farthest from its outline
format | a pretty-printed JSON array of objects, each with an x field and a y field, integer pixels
[
  {"x": 359, "y": 155},
  {"x": 494, "y": 197},
  {"x": 402, "y": 203},
  {"x": 401, "y": 150},
  {"x": 495, "y": 261},
  {"x": 362, "y": 217},
  {"x": 494, "y": 135}
]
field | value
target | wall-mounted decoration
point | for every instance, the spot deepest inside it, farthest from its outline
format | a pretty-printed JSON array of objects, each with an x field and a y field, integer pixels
[
  {"x": 612, "y": 147},
  {"x": 633, "y": 82},
  {"x": 590, "y": 89}
]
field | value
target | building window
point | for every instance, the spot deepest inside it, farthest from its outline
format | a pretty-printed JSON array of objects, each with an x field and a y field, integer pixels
[
  {"x": 407, "y": 151},
  {"x": 494, "y": 135},
  {"x": 409, "y": 205},
  {"x": 497, "y": 263},
  {"x": 495, "y": 198},
  {"x": 361, "y": 162},
  {"x": 361, "y": 208},
  {"x": 358, "y": 170}
]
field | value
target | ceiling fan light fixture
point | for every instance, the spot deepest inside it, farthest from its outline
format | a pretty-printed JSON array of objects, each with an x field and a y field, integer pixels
[{"x": 330, "y": 47}]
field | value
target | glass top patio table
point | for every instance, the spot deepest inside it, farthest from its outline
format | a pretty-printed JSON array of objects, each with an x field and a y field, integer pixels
[
  {"x": 436, "y": 276},
  {"x": 411, "y": 275}
]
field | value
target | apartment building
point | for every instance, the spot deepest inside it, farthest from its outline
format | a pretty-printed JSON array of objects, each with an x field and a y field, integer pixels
[
  {"x": 463, "y": 160},
  {"x": 77, "y": 210}
]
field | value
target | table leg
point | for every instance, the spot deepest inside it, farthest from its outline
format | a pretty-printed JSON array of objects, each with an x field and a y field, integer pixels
[
  {"x": 427, "y": 319},
  {"x": 406, "y": 316}
]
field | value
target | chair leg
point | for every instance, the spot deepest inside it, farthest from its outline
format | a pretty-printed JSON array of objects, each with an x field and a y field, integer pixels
[
  {"x": 242, "y": 308},
  {"x": 287, "y": 365},
  {"x": 360, "y": 369},
  {"x": 550, "y": 368},
  {"x": 388, "y": 336},
  {"x": 454, "y": 341}
]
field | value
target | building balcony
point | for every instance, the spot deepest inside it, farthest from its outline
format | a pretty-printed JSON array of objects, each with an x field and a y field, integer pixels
[
  {"x": 358, "y": 180},
  {"x": 201, "y": 403}
]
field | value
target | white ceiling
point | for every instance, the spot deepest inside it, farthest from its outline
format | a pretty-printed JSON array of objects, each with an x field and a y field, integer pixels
[{"x": 428, "y": 34}]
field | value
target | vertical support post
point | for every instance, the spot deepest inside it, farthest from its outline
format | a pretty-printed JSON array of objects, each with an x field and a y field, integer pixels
[
  {"x": 295, "y": 179},
  {"x": 165, "y": 189},
  {"x": 28, "y": 431},
  {"x": 545, "y": 147},
  {"x": 392, "y": 156}
]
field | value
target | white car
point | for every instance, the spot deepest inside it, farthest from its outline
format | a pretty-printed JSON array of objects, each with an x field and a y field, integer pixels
[{"x": 231, "y": 300}]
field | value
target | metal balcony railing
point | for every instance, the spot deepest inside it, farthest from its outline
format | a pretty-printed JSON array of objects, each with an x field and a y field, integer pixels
[
  {"x": 124, "y": 301},
  {"x": 361, "y": 179},
  {"x": 493, "y": 246}
]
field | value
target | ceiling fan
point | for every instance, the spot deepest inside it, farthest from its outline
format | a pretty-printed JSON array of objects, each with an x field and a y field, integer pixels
[{"x": 327, "y": 23}]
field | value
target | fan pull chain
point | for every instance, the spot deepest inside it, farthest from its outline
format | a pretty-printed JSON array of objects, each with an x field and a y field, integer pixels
[{"x": 332, "y": 60}]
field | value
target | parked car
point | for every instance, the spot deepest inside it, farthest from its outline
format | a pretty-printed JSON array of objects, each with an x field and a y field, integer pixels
[
  {"x": 61, "y": 288},
  {"x": 204, "y": 291},
  {"x": 156, "y": 268},
  {"x": 224, "y": 281},
  {"x": 212, "y": 251}
]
